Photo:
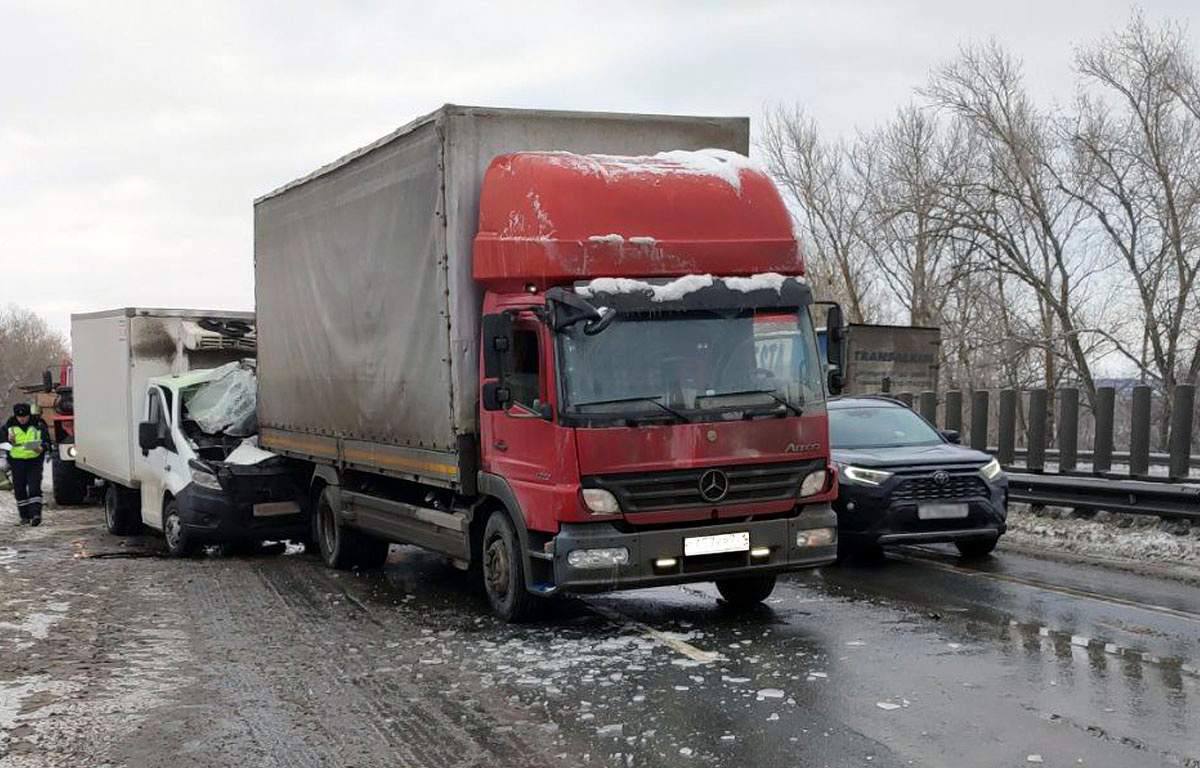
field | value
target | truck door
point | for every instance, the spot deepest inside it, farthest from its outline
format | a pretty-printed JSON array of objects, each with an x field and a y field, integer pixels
[
  {"x": 158, "y": 412},
  {"x": 520, "y": 441}
]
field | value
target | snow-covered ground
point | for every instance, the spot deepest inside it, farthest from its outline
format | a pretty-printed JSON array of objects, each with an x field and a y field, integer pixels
[{"x": 1134, "y": 540}]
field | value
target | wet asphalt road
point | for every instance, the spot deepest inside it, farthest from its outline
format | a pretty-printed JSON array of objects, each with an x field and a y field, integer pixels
[{"x": 919, "y": 660}]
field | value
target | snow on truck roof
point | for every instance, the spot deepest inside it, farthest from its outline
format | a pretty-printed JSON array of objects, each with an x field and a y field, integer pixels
[{"x": 554, "y": 217}]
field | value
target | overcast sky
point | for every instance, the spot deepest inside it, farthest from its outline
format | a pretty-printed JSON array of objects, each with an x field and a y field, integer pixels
[{"x": 134, "y": 136}]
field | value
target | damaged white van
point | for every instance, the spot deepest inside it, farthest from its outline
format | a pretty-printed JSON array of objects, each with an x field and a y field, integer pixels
[{"x": 165, "y": 417}]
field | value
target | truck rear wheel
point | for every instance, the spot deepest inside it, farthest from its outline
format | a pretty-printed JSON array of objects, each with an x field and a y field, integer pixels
[
  {"x": 342, "y": 547},
  {"x": 504, "y": 571},
  {"x": 120, "y": 515},
  {"x": 70, "y": 482},
  {"x": 746, "y": 591}
]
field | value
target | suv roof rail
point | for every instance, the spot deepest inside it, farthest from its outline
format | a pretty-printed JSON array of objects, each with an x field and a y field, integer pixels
[{"x": 883, "y": 398}]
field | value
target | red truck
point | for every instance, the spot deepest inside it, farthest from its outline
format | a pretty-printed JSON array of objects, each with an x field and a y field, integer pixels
[{"x": 531, "y": 341}]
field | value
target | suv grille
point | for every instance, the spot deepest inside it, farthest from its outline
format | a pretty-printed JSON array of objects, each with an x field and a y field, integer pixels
[
  {"x": 925, "y": 488},
  {"x": 680, "y": 489}
]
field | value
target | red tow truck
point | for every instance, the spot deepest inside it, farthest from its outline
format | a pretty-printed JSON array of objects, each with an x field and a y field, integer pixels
[{"x": 533, "y": 342}]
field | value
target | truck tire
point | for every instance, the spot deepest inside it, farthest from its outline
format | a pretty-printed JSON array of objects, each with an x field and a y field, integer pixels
[
  {"x": 504, "y": 571},
  {"x": 973, "y": 549},
  {"x": 342, "y": 547},
  {"x": 179, "y": 544},
  {"x": 70, "y": 482},
  {"x": 746, "y": 591},
  {"x": 120, "y": 516}
]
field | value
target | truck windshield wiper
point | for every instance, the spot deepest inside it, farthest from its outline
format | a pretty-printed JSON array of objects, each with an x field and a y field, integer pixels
[
  {"x": 768, "y": 392},
  {"x": 653, "y": 400}
]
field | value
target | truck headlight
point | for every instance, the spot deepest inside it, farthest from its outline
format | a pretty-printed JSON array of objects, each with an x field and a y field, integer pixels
[
  {"x": 816, "y": 537},
  {"x": 864, "y": 476},
  {"x": 600, "y": 502},
  {"x": 598, "y": 558},
  {"x": 71, "y": 451},
  {"x": 814, "y": 483},
  {"x": 991, "y": 470},
  {"x": 205, "y": 480}
]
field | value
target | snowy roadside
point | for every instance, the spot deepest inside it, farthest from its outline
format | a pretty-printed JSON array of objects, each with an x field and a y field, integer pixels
[{"x": 1140, "y": 543}]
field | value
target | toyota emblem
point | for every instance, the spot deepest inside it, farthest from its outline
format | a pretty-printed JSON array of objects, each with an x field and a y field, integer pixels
[
  {"x": 714, "y": 484},
  {"x": 941, "y": 477}
]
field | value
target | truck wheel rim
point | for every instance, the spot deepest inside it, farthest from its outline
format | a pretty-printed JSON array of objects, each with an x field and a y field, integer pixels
[
  {"x": 110, "y": 515},
  {"x": 498, "y": 569}
]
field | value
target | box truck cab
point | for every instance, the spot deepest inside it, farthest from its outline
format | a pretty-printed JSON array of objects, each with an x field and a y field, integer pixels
[
  {"x": 558, "y": 380},
  {"x": 165, "y": 417}
]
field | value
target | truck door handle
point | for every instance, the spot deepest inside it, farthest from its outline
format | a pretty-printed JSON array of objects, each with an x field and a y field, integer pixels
[{"x": 500, "y": 445}]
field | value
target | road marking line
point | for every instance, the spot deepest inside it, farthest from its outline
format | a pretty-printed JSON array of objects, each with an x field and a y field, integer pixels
[
  {"x": 1068, "y": 591},
  {"x": 676, "y": 644}
]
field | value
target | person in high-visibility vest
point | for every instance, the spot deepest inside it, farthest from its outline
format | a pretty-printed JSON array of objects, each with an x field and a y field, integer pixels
[{"x": 30, "y": 440}]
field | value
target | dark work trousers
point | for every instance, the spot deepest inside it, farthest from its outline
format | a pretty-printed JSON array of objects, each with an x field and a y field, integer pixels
[{"x": 27, "y": 486}]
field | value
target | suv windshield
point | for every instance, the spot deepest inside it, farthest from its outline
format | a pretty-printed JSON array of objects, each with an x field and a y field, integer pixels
[
  {"x": 690, "y": 363},
  {"x": 879, "y": 426}
]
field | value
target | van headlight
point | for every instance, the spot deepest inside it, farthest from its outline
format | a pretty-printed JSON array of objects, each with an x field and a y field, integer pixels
[
  {"x": 864, "y": 476},
  {"x": 205, "y": 480},
  {"x": 991, "y": 470}
]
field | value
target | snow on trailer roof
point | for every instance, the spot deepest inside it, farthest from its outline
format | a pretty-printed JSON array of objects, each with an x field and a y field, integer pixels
[{"x": 554, "y": 217}]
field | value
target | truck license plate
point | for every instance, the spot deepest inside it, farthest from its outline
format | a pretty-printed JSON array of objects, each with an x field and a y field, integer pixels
[
  {"x": 712, "y": 545},
  {"x": 942, "y": 511},
  {"x": 276, "y": 509}
]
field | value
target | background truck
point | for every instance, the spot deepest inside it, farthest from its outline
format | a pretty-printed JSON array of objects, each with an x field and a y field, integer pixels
[
  {"x": 54, "y": 400},
  {"x": 528, "y": 340},
  {"x": 889, "y": 358},
  {"x": 164, "y": 413}
]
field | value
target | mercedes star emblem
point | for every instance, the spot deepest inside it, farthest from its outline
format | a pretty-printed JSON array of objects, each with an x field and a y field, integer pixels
[{"x": 714, "y": 484}]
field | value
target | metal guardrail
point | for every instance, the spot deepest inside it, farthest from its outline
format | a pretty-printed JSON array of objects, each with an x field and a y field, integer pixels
[
  {"x": 1174, "y": 494},
  {"x": 1174, "y": 501}
]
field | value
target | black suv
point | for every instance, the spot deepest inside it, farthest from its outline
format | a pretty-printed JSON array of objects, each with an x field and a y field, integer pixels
[{"x": 904, "y": 482}]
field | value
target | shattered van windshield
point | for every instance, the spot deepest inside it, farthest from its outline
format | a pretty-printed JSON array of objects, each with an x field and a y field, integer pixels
[{"x": 225, "y": 405}]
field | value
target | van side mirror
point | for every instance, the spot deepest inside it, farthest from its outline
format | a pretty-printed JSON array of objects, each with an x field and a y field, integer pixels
[
  {"x": 148, "y": 438},
  {"x": 495, "y": 396},
  {"x": 835, "y": 349}
]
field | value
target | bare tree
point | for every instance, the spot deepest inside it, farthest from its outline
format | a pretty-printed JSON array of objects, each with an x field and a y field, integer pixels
[
  {"x": 1136, "y": 170},
  {"x": 28, "y": 346},
  {"x": 821, "y": 182},
  {"x": 1009, "y": 199}
]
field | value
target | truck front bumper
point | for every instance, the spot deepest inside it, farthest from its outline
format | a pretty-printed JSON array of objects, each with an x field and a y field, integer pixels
[
  {"x": 650, "y": 550},
  {"x": 212, "y": 516}
]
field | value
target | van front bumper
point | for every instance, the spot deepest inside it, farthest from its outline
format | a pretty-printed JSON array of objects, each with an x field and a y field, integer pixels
[
  {"x": 648, "y": 548},
  {"x": 212, "y": 516}
]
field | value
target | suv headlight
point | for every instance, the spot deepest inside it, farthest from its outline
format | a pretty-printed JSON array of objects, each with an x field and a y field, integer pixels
[
  {"x": 205, "y": 480},
  {"x": 991, "y": 470},
  {"x": 600, "y": 502},
  {"x": 864, "y": 476}
]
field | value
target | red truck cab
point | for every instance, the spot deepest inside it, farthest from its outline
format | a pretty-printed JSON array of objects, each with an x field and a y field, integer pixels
[{"x": 652, "y": 402}]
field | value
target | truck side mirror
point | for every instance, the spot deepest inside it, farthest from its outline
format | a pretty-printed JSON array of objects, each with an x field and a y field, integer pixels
[
  {"x": 835, "y": 349},
  {"x": 495, "y": 396},
  {"x": 496, "y": 338},
  {"x": 148, "y": 438}
]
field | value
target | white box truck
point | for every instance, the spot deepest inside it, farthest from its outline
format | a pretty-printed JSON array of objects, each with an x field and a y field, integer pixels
[{"x": 165, "y": 418}]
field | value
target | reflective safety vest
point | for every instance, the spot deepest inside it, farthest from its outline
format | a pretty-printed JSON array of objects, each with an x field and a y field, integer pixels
[{"x": 20, "y": 436}]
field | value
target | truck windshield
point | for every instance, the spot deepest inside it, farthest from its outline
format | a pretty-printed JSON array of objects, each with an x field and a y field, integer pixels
[{"x": 693, "y": 365}]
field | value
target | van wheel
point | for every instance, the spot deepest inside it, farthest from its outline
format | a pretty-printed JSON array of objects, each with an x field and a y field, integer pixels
[
  {"x": 179, "y": 544},
  {"x": 746, "y": 591},
  {"x": 341, "y": 547},
  {"x": 504, "y": 571},
  {"x": 119, "y": 516}
]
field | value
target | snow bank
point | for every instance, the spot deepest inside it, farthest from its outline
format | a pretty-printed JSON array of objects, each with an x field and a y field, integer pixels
[{"x": 682, "y": 286}]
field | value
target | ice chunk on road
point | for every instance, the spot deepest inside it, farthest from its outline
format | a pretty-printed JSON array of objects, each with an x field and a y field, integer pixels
[
  {"x": 770, "y": 693},
  {"x": 887, "y": 705}
]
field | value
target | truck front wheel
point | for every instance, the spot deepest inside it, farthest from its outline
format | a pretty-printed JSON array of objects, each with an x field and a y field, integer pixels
[
  {"x": 70, "y": 482},
  {"x": 746, "y": 591},
  {"x": 504, "y": 571}
]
